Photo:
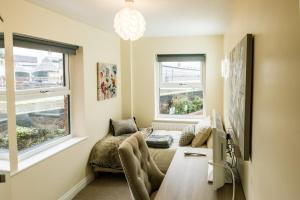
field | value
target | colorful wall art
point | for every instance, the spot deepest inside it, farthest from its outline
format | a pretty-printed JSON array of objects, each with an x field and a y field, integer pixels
[{"x": 106, "y": 81}]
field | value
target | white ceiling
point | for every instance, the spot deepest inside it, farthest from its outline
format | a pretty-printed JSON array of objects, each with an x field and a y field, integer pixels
[{"x": 163, "y": 17}]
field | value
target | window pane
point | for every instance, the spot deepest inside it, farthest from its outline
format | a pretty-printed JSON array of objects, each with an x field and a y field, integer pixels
[
  {"x": 181, "y": 101},
  {"x": 3, "y": 127},
  {"x": 41, "y": 120},
  {"x": 181, "y": 72},
  {"x": 38, "y": 69},
  {"x": 3, "y": 111},
  {"x": 2, "y": 70}
]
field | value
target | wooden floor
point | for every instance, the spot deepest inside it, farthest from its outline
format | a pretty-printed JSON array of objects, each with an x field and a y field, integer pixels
[{"x": 108, "y": 186}]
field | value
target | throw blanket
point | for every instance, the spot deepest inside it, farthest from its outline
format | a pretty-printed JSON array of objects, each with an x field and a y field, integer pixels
[
  {"x": 159, "y": 141},
  {"x": 105, "y": 151}
]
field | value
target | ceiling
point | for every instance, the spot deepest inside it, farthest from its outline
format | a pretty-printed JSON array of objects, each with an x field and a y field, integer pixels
[{"x": 163, "y": 17}]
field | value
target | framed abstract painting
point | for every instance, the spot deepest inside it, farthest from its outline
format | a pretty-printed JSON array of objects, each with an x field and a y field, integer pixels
[{"x": 106, "y": 81}]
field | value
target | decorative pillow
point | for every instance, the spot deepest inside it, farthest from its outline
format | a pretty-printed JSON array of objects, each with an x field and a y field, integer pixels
[
  {"x": 187, "y": 136},
  {"x": 125, "y": 126},
  {"x": 201, "y": 136}
]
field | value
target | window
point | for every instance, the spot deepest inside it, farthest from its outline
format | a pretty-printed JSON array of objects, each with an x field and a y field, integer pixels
[
  {"x": 181, "y": 86},
  {"x": 42, "y": 93},
  {"x": 42, "y": 96}
]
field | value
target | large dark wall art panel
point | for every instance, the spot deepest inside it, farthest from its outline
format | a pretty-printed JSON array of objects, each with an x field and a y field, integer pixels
[{"x": 240, "y": 85}]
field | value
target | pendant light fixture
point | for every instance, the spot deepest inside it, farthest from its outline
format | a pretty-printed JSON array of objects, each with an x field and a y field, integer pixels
[{"x": 129, "y": 23}]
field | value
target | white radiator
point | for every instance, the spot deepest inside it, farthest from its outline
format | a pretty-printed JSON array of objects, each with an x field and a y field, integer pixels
[{"x": 170, "y": 126}]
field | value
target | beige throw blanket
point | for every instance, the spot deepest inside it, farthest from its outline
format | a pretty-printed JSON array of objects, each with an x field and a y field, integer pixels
[{"x": 105, "y": 152}]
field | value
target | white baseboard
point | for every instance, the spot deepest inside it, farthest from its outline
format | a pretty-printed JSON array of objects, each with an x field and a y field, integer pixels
[{"x": 69, "y": 195}]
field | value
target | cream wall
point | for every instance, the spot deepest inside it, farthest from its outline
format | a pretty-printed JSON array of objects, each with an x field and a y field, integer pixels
[
  {"x": 143, "y": 64},
  {"x": 54, "y": 176},
  {"x": 273, "y": 172},
  {"x": 126, "y": 62}
]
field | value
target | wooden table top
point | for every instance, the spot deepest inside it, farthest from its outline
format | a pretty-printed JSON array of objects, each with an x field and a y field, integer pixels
[{"x": 186, "y": 179}]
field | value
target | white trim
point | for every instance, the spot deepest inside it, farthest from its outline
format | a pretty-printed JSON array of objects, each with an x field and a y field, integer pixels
[
  {"x": 70, "y": 194},
  {"x": 39, "y": 157},
  {"x": 11, "y": 108},
  {"x": 41, "y": 95},
  {"x": 42, "y": 90}
]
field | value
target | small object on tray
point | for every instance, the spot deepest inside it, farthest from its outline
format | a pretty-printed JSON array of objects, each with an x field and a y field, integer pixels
[
  {"x": 186, "y": 153},
  {"x": 159, "y": 141}
]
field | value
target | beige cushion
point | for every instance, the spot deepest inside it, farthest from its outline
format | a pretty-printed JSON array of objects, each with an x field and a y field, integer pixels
[
  {"x": 201, "y": 136},
  {"x": 142, "y": 174},
  {"x": 209, "y": 141}
]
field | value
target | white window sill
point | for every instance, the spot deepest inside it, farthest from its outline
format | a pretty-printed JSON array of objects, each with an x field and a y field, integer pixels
[{"x": 35, "y": 159}]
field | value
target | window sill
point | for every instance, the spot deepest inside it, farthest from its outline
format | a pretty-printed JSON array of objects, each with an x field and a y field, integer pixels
[{"x": 39, "y": 157}]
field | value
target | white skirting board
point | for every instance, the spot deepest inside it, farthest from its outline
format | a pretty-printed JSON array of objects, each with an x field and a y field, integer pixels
[{"x": 69, "y": 195}]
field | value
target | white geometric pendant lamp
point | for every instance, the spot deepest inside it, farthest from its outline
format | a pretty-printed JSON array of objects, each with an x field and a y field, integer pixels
[{"x": 129, "y": 23}]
